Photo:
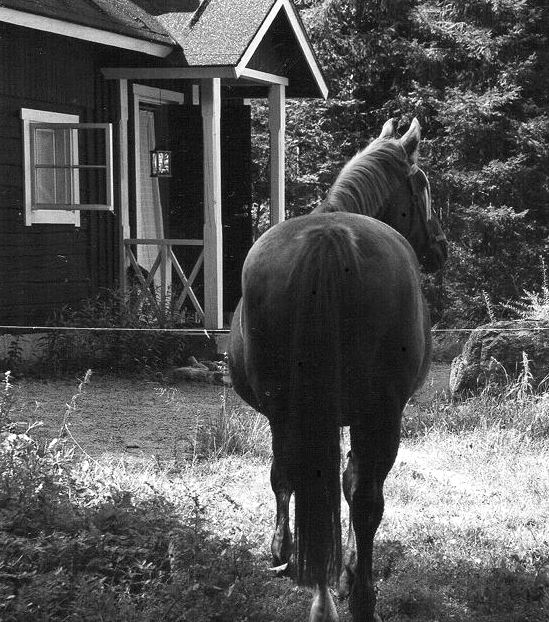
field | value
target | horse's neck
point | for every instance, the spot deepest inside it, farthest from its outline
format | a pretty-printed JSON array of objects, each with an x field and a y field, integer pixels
[{"x": 338, "y": 204}]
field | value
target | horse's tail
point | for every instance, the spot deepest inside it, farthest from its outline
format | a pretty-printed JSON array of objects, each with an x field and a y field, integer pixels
[{"x": 322, "y": 269}]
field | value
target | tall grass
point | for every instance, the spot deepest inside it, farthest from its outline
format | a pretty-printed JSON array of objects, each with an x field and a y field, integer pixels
[
  {"x": 234, "y": 430},
  {"x": 516, "y": 406}
]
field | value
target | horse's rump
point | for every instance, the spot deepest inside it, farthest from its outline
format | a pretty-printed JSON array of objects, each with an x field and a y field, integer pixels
[{"x": 376, "y": 310}]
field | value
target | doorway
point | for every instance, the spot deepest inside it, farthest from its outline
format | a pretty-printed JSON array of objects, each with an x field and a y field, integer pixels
[{"x": 151, "y": 221}]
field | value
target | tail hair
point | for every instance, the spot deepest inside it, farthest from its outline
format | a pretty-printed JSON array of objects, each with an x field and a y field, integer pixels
[{"x": 322, "y": 269}]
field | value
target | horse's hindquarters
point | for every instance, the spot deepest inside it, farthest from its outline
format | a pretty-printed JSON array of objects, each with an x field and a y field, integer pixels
[{"x": 299, "y": 283}]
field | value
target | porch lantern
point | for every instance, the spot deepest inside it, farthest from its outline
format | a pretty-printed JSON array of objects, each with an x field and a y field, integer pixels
[{"x": 161, "y": 163}]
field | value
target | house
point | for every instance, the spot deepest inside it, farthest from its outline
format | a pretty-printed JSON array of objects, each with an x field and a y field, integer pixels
[{"x": 125, "y": 144}]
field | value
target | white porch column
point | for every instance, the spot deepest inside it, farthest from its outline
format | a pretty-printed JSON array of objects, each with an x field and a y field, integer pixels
[
  {"x": 123, "y": 215},
  {"x": 213, "y": 232},
  {"x": 277, "y": 127}
]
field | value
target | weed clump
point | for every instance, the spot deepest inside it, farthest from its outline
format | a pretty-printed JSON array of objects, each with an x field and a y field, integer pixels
[
  {"x": 235, "y": 430},
  {"x": 516, "y": 407}
]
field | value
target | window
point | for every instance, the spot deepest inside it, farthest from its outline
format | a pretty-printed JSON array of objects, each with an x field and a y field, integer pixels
[{"x": 68, "y": 167}]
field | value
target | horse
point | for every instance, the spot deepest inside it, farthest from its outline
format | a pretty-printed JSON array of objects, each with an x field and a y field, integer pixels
[{"x": 332, "y": 330}]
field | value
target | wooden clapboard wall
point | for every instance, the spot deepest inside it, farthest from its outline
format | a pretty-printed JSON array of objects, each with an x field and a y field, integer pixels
[{"x": 43, "y": 267}]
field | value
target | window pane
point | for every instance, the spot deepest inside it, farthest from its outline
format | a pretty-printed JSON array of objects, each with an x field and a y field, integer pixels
[
  {"x": 91, "y": 146},
  {"x": 45, "y": 186},
  {"x": 44, "y": 146},
  {"x": 92, "y": 185},
  {"x": 71, "y": 165},
  {"x": 52, "y": 147}
]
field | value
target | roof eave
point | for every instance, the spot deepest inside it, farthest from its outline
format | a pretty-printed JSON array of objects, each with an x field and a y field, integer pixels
[{"x": 85, "y": 33}]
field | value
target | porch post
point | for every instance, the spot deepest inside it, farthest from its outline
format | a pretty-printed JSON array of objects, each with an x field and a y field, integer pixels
[
  {"x": 213, "y": 232},
  {"x": 123, "y": 216},
  {"x": 277, "y": 127}
]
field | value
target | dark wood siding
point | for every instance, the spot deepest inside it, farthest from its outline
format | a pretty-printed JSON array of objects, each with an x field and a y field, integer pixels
[{"x": 45, "y": 266}]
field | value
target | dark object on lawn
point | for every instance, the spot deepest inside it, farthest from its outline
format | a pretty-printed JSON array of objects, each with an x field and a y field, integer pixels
[
  {"x": 333, "y": 330},
  {"x": 494, "y": 356},
  {"x": 210, "y": 372}
]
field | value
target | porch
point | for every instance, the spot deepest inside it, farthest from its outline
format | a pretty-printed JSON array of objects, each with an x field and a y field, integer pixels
[
  {"x": 164, "y": 269},
  {"x": 166, "y": 286},
  {"x": 221, "y": 56}
]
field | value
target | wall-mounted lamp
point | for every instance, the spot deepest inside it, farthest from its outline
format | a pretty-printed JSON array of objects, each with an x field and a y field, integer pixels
[{"x": 161, "y": 163}]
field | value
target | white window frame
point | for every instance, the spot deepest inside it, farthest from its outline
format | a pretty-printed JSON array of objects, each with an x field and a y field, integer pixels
[{"x": 69, "y": 213}]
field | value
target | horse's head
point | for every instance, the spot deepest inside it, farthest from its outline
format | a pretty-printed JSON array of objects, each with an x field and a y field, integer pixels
[{"x": 409, "y": 209}]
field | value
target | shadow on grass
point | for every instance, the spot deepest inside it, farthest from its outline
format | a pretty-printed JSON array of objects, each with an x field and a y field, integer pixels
[
  {"x": 134, "y": 560},
  {"x": 433, "y": 588},
  {"x": 153, "y": 559}
]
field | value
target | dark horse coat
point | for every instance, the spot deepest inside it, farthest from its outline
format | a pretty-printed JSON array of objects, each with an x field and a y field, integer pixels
[{"x": 333, "y": 331}]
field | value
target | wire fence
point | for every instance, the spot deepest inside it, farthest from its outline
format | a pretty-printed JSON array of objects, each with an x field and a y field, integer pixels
[
  {"x": 18, "y": 330},
  {"x": 127, "y": 349}
]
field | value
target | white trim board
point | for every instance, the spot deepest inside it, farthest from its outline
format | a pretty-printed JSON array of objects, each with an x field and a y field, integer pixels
[
  {"x": 300, "y": 36},
  {"x": 263, "y": 78},
  {"x": 167, "y": 73},
  {"x": 86, "y": 33},
  {"x": 156, "y": 95}
]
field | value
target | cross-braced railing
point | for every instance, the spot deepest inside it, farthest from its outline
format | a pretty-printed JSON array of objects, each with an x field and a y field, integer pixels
[{"x": 169, "y": 269}]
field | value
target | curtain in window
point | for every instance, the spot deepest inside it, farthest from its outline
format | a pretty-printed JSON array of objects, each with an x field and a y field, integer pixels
[
  {"x": 149, "y": 213},
  {"x": 52, "y": 147}
]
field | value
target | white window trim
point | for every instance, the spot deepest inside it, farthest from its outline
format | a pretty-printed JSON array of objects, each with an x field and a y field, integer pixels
[
  {"x": 66, "y": 214},
  {"x": 38, "y": 216}
]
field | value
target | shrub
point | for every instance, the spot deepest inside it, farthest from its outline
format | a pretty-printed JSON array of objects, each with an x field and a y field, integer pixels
[
  {"x": 513, "y": 407},
  {"x": 129, "y": 335}
]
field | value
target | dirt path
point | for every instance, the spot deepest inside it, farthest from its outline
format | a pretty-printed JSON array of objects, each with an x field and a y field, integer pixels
[
  {"x": 136, "y": 417},
  {"x": 117, "y": 415}
]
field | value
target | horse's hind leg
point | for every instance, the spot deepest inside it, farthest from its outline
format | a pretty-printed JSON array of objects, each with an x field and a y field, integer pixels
[
  {"x": 349, "y": 554},
  {"x": 372, "y": 455},
  {"x": 282, "y": 543}
]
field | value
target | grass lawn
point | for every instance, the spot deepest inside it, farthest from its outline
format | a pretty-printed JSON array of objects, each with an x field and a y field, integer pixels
[{"x": 135, "y": 534}]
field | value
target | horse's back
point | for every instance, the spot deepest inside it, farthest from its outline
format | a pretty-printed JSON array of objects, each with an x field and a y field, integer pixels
[{"x": 382, "y": 327}]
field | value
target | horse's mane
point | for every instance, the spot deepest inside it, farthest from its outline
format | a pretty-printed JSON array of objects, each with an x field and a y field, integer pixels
[{"x": 367, "y": 180}]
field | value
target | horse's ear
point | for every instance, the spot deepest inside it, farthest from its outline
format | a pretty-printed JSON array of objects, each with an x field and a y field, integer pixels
[
  {"x": 388, "y": 129},
  {"x": 410, "y": 140}
]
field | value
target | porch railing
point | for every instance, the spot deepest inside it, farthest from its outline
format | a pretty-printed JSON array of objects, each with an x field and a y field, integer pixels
[{"x": 170, "y": 271}]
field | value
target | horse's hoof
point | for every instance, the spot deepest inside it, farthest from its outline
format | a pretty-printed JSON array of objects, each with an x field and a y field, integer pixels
[
  {"x": 283, "y": 570},
  {"x": 279, "y": 569},
  {"x": 323, "y": 608}
]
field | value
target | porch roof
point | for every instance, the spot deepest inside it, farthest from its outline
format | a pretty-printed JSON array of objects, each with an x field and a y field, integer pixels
[{"x": 196, "y": 33}]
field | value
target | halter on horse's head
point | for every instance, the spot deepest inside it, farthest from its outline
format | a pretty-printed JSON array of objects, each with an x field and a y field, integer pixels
[
  {"x": 384, "y": 181},
  {"x": 422, "y": 229}
]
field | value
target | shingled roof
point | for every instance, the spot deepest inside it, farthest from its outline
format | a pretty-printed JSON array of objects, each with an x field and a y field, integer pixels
[
  {"x": 218, "y": 32},
  {"x": 194, "y": 33}
]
